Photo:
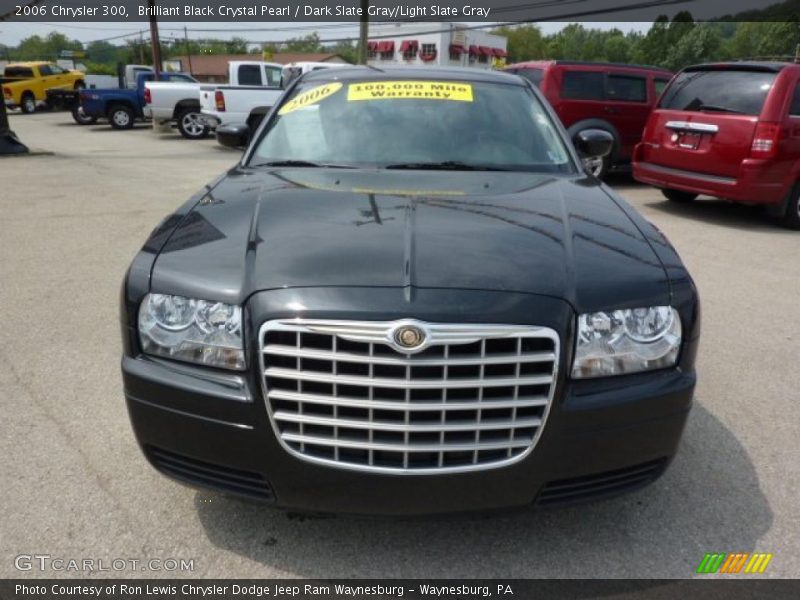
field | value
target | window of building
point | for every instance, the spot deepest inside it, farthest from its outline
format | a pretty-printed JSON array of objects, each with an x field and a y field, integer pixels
[
  {"x": 386, "y": 50},
  {"x": 456, "y": 50},
  {"x": 428, "y": 52},
  {"x": 409, "y": 48},
  {"x": 372, "y": 50}
]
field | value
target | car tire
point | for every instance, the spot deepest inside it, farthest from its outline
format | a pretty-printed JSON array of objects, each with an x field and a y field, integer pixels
[
  {"x": 678, "y": 195},
  {"x": 81, "y": 118},
  {"x": 121, "y": 116},
  {"x": 190, "y": 125},
  {"x": 27, "y": 103},
  {"x": 80, "y": 85},
  {"x": 791, "y": 218}
]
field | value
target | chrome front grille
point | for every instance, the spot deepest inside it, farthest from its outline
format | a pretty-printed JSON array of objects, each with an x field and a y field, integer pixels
[{"x": 345, "y": 394}]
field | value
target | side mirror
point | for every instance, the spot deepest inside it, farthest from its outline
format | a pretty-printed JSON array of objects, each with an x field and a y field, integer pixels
[
  {"x": 233, "y": 136},
  {"x": 593, "y": 143}
]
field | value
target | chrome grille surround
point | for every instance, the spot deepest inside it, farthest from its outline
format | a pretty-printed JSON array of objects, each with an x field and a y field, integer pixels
[{"x": 345, "y": 394}]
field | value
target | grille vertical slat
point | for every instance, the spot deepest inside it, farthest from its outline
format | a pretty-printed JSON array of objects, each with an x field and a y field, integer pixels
[{"x": 346, "y": 394}]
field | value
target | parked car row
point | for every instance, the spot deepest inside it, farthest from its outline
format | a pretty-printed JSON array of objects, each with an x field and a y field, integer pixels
[
  {"x": 613, "y": 97},
  {"x": 25, "y": 84},
  {"x": 729, "y": 130}
]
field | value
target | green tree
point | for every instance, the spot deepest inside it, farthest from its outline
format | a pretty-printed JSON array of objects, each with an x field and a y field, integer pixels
[
  {"x": 701, "y": 44},
  {"x": 103, "y": 52},
  {"x": 525, "y": 42},
  {"x": 309, "y": 43},
  {"x": 347, "y": 50}
]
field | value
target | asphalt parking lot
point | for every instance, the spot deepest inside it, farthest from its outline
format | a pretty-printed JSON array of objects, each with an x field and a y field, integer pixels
[{"x": 74, "y": 484}]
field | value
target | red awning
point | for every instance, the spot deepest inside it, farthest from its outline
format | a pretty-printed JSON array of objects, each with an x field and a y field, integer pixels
[
  {"x": 499, "y": 52},
  {"x": 372, "y": 46},
  {"x": 386, "y": 46},
  {"x": 409, "y": 46},
  {"x": 485, "y": 50},
  {"x": 457, "y": 49},
  {"x": 473, "y": 50}
]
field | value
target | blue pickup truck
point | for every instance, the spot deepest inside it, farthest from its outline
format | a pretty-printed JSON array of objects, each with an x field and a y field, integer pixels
[{"x": 122, "y": 107}]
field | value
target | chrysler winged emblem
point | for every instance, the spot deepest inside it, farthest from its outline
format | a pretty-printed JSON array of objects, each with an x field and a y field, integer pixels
[{"x": 409, "y": 337}]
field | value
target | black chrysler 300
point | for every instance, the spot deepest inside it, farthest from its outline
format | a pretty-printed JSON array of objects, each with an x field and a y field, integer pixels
[{"x": 409, "y": 297}]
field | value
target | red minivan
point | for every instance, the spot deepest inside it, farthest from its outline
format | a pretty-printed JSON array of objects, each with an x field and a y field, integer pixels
[
  {"x": 729, "y": 130},
  {"x": 591, "y": 95}
]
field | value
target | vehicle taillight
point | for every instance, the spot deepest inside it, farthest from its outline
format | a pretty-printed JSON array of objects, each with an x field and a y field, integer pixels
[
  {"x": 7, "y": 92},
  {"x": 147, "y": 98},
  {"x": 765, "y": 140},
  {"x": 219, "y": 100}
]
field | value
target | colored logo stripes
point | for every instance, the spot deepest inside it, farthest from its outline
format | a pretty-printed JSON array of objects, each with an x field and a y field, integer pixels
[{"x": 737, "y": 562}]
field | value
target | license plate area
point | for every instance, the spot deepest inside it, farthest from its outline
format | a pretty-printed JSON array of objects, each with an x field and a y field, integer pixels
[{"x": 687, "y": 140}]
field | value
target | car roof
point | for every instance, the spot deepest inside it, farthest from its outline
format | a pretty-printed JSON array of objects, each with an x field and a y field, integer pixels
[
  {"x": 402, "y": 72},
  {"x": 586, "y": 63},
  {"x": 28, "y": 63},
  {"x": 754, "y": 65}
]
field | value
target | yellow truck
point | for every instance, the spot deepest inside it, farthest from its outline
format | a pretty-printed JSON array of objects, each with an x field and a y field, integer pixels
[{"x": 25, "y": 84}]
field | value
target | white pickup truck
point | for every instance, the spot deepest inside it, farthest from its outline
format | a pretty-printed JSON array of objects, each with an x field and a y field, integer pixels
[
  {"x": 176, "y": 101},
  {"x": 253, "y": 88}
]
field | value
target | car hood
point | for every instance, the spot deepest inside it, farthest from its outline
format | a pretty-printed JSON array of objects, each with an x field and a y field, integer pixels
[{"x": 258, "y": 229}]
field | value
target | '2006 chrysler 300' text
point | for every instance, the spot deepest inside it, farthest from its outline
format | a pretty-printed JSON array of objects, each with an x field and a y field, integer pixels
[{"x": 408, "y": 297}]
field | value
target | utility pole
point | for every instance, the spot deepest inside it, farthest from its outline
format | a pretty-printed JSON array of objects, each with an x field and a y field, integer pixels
[
  {"x": 141, "y": 47},
  {"x": 188, "y": 49},
  {"x": 363, "y": 33},
  {"x": 154, "y": 40}
]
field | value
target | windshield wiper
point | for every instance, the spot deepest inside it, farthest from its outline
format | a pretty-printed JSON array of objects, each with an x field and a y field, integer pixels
[
  {"x": 715, "y": 108},
  {"x": 446, "y": 165},
  {"x": 300, "y": 163}
]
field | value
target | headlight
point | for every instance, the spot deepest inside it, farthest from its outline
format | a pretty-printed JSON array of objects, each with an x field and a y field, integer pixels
[
  {"x": 209, "y": 333},
  {"x": 627, "y": 341}
]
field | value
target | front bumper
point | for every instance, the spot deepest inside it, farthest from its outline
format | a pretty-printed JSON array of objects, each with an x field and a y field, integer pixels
[{"x": 211, "y": 429}]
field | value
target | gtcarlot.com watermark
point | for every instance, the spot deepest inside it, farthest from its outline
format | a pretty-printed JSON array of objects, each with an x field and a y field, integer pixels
[{"x": 47, "y": 562}]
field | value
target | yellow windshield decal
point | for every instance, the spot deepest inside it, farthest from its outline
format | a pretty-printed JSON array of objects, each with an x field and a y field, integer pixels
[
  {"x": 310, "y": 97},
  {"x": 416, "y": 90}
]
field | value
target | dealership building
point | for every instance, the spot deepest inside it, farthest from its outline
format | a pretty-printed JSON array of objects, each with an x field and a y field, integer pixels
[{"x": 437, "y": 44}]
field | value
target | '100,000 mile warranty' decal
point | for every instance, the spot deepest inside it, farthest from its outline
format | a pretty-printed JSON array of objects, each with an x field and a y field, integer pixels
[{"x": 417, "y": 90}]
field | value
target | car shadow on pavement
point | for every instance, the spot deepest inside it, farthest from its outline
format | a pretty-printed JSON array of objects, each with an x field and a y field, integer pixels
[
  {"x": 732, "y": 215},
  {"x": 708, "y": 500}
]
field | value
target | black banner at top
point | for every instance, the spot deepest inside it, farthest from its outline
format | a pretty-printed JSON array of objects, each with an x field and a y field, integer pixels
[{"x": 499, "y": 11}]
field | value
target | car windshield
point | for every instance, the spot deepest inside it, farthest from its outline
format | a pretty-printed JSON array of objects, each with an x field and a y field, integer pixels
[
  {"x": 411, "y": 124},
  {"x": 724, "y": 90}
]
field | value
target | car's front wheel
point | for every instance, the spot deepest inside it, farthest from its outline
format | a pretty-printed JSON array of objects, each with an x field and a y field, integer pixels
[
  {"x": 81, "y": 118},
  {"x": 121, "y": 117},
  {"x": 678, "y": 195},
  {"x": 28, "y": 103},
  {"x": 191, "y": 125}
]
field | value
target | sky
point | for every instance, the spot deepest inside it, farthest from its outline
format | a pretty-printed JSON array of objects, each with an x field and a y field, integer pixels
[{"x": 11, "y": 33}]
